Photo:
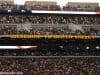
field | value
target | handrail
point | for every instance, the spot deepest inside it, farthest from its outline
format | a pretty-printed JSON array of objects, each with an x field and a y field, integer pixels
[
  {"x": 49, "y": 24},
  {"x": 49, "y": 56}
]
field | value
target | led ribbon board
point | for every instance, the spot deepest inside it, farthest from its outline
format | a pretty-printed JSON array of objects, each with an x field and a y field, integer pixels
[{"x": 17, "y": 47}]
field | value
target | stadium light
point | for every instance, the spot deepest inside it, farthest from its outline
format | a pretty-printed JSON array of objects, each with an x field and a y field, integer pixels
[
  {"x": 23, "y": 11},
  {"x": 77, "y": 48},
  {"x": 97, "y": 47},
  {"x": 61, "y": 47},
  {"x": 87, "y": 47}
]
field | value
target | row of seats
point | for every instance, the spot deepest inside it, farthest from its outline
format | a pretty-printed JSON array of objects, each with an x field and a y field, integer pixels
[
  {"x": 45, "y": 30},
  {"x": 50, "y": 19}
]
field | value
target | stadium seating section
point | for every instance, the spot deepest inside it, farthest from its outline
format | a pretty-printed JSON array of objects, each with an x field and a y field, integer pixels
[
  {"x": 50, "y": 56},
  {"x": 50, "y": 66},
  {"x": 52, "y": 24},
  {"x": 51, "y": 47}
]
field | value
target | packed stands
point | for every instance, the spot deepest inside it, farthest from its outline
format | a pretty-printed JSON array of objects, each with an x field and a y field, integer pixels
[
  {"x": 50, "y": 66},
  {"x": 49, "y": 19},
  {"x": 47, "y": 25},
  {"x": 44, "y": 24},
  {"x": 51, "y": 47},
  {"x": 15, "y": 29},
  {"x": 50, "y": 56}
]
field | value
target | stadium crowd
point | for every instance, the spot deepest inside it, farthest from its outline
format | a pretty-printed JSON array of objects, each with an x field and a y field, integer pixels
[
  {"x": 46, "y": 47},
  {"x": 50, "y": 19},
  {"x": 12, "y": 29},
  {"x": 51, "y": 66},
  {"x": 51, "y": 47}
]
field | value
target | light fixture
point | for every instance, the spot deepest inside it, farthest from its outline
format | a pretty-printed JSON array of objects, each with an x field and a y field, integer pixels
[
  {"x": 87, "y": 47},
  {"x": 97, "y": 47}
]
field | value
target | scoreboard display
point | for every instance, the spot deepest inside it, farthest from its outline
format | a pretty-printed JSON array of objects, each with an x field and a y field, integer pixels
[{"x": 53, "y": 36}]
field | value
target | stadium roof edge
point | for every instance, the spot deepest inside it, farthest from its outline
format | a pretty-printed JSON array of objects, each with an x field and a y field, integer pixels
[{"x": 48, "y": 12}]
